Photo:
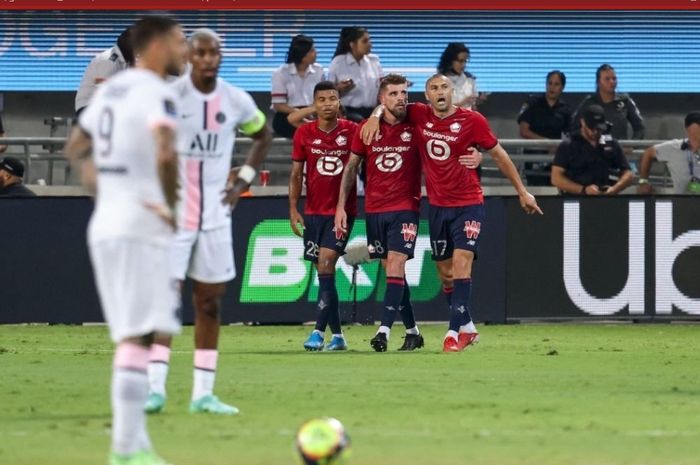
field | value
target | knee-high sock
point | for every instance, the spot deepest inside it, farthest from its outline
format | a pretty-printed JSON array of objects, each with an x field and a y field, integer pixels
[
  {"x": 204, "y": 372},
  {"x": 158, "y": 365},
  {"x": 392, "y": 302},
  {"x": 406, "y": 310},
  {"x": 328, "y": 298},
  {"x": 460, "y": 304},
  {"x": 129, "y": 393}
]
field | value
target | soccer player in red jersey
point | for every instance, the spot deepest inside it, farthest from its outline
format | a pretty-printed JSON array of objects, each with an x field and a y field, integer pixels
[
  {"x": 455, "y": 195},
  {"x": 324, "y": 146},
  {"x": 392, "y": 198}
]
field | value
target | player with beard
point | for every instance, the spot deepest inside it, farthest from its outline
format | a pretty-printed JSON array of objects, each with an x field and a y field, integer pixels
[
  {"x": 212, "y": 110},
  {"x": 324, "y": 147},
  {"x": 455, "y": 196}
]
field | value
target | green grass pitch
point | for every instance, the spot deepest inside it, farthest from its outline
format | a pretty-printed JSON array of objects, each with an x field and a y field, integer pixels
[{"x": 526, "y": 395}]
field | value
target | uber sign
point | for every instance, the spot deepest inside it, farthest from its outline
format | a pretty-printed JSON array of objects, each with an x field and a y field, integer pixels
[{"x": 609, "y": 257}]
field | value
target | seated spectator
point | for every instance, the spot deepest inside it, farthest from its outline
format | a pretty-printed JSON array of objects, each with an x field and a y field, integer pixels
[
  {"x": 2, "y": 134},
  {"x": 682, "y": 158},
  {"x": 589, "y": 163},
  {"x": 293, "y": 83},
  {"x": 453, "y": 64},
  {"x": 356, "y": 72},
  {"x": 11, "y": 174},
  {"x": 104, "y": 65},
  {"x": 619, "y": 108},
  {"x": 544, "y": 116}
]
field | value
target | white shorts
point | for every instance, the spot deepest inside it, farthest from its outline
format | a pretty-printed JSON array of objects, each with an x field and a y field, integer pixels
[
  {"x": 205, "y": 256},
  {"x": 138, "y": 293}
]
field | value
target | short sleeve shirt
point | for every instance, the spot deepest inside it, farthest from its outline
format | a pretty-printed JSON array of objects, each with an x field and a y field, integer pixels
[
  {"x": 296, "y": 90},
  {"x": 441, "y": 142},
  {"x": 365, "y": 74},
  {"x": 548, "y": 121},
  {"x": 679, "y": 161},
  {"x": 326, "y": 154},
  {"x": 585, "y": 164},
  {"x": 393, "y": 169}
]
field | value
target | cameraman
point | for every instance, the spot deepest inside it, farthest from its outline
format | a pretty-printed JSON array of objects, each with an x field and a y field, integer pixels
[{"x": 591, "y": 162}]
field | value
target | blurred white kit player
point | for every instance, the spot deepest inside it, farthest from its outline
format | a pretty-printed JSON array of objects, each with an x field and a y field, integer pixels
[{"x": 211, "y": 112}]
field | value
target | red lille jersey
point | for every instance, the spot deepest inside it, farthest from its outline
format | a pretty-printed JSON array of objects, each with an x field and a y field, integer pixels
[
  {"x": 441, "y": 142},
  {"x": 325, "y": 154},
  {"x": 393, "y": 169}
]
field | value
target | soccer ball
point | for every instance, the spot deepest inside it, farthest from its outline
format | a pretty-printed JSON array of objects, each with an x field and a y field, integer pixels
[{"x": 322, "y": 441}]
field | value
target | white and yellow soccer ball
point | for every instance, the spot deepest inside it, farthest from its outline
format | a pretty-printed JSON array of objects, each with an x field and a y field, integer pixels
[{"x": 322, "y": 441}]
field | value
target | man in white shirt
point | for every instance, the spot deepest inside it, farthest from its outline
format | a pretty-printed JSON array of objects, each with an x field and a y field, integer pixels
[
  {"x": 124, "y": 146},
  {"x": 211, "y": 111},
  {"x": 682, "y": 158},
  {"x": 104, "y": 65}
]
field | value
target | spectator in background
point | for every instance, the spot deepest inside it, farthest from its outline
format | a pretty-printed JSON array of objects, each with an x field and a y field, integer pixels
[
  {"x": 2, "y": 134},
  {"x": 682, "y": 158},
  {"x": 545, "y": 116},
  {"x": 356, "y": 72},
  {"x": 293, "y": 83},
  {"x": 11, "y": 174},
  {"x": 104, "y": 65},
  {"x": 588, "y": 163},
  {"x": 453, "y": 64},
  {"x": 619, "y": 108}
]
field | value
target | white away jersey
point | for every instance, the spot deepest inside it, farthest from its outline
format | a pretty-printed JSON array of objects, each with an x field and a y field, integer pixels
[
  {"x": 120, "y": 119},
  {"x": 207, "y": 128}
]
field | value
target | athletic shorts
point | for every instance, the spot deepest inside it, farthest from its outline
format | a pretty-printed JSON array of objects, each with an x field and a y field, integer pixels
[
  {"x": 319, "y": 231},
  {"x": 205, "y": 256},
  {"x": 395, "y": 231},
  {"x": 454, "y": 228},
  {"x": 137, "y": 291}
]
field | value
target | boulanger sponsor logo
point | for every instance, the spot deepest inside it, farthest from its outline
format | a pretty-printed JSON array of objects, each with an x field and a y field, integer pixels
[
  {"x": 276, "y": 272},
  {"x": 329, "y": 166},
  {"x": 438, "y": 149},
  {"x": 389, "y": 162}
]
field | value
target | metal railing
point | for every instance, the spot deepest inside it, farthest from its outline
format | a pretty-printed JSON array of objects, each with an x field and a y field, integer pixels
[{"x": 48, "y": 150}]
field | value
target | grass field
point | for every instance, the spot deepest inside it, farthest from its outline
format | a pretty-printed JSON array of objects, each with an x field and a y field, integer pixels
[{"x": 530, "y": 394}]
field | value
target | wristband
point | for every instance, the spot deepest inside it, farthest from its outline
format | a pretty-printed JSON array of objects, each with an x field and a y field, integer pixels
[
  {"x": 643, "y": 181},
  {"x": 246, "y": 173},
  {"x": 583, "y": 190},
  {"x": 379, "y": 112}
]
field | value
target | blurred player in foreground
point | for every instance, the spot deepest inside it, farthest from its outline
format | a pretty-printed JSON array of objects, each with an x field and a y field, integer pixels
[
  {"x": 455, "y": 195},
  {"x": 211, "y": 110},
  {"x": 324, "y": 147},
  {"x": 125, "y": 147}
]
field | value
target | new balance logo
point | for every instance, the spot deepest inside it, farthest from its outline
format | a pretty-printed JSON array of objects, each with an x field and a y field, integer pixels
[{"x": 316, "y": 142}]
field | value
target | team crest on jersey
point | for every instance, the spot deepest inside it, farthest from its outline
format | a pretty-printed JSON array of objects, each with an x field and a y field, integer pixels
[
  {"x": 472, "y": 229},
  {"x": 220, "y": 118},
  {"x": 455, "y": 127},
  {"x": 409, "y": 231},
  {"x": 169, "y": 107},
  {"x": 406, "y": 136},
  {"x": 341, "y": 141},
  {"x": 316, "y": 142},
  {"x": 429, "y": 125}
]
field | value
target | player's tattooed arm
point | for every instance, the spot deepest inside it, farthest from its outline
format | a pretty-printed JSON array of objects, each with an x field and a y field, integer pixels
[
  {"x": 78, "y": 151},
  {"x": 295, "y": 181},
  {"x": 166, "y": 158},
  {"x": 346, "y": 185},
  {"x": 505, "y": 164}
]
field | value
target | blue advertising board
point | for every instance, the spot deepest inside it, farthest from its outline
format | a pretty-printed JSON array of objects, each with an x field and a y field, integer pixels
[{"x": 510, "y": 51}]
